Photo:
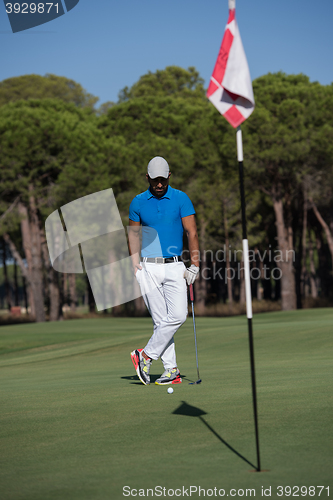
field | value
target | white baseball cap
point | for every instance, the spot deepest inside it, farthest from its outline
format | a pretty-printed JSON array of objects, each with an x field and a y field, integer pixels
[{"x": 158, "y": 167}]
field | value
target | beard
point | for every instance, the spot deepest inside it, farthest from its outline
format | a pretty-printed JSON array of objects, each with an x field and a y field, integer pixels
[{"x": 158, "y": 192}]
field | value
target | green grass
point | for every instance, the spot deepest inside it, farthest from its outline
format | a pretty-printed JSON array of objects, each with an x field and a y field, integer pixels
[{"x": 76, "y": 424}]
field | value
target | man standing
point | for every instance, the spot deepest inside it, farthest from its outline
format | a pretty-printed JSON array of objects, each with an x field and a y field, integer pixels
[{"x": 162, "y": 277}]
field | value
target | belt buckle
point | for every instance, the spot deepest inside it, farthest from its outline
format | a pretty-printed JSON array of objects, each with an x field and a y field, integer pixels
[{"x": 159, "y": 260}]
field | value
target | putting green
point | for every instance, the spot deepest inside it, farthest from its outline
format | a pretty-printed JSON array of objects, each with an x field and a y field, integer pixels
[{"x": 76, "y": 424}]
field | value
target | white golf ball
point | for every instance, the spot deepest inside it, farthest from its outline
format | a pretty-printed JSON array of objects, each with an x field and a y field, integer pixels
[{"x": 170, "y": 390}]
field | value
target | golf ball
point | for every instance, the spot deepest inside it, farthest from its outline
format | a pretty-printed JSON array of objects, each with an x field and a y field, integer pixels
[{"x": 170, "y": 390}]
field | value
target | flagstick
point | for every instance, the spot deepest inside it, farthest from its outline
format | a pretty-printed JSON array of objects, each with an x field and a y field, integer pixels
[{"x": 247, "y": 286}]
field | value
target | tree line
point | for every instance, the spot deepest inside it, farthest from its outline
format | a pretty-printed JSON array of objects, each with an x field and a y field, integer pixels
[{"x": 56, "y": 146}]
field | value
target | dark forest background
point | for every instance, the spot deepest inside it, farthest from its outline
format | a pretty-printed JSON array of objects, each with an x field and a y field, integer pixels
[{"x": 57, "y": 145}]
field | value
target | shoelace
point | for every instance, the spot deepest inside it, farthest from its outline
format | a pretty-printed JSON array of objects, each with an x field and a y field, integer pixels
[
  {"x": 165, "y": 374},
  {"x": 147, "y": 363}
]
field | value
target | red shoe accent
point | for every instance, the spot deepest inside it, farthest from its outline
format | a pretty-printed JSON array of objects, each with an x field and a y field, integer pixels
[
  {"x": 177, "y": 380},
  {"x": 134, "y": 358}
]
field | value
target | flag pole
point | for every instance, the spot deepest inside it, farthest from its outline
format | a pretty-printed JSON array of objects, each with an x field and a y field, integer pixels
[
  {"x": 247, "y": 286},
  {"x": 230, "y": 91}
]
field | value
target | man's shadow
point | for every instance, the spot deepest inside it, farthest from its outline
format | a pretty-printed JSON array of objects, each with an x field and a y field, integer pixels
[
  {"x": 134, "y": 379},
  {"x": 193, "y": 411}
]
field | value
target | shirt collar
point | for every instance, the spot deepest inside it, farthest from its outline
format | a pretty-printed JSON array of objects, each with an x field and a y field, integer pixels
[{"x": 167, "y": 194}]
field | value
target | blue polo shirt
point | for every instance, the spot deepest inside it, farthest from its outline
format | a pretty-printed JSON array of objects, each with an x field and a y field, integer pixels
[{"x": 164, "y": 217}]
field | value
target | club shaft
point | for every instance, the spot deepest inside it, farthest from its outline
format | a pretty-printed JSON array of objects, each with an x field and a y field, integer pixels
[{"x": 195, "y": 340}]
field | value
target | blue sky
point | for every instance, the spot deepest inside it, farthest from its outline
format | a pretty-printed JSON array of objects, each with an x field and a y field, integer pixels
[{"x": 107, "y": 44}]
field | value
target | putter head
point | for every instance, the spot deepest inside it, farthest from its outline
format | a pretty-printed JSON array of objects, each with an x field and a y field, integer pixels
[{"x": 195, "y": 383}]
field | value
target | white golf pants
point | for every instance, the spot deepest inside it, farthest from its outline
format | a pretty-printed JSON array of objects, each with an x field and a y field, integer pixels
[{"x": 163, "y": 288}]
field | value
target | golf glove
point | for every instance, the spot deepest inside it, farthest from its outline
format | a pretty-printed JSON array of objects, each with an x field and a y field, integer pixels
[{"x": 191, "y": 273}]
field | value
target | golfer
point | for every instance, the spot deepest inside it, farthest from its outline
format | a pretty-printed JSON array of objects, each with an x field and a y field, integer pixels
[{"x": 161, "y": 274}]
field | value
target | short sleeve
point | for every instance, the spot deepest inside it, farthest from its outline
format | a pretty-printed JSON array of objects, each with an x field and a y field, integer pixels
[
  {"x": 186, "y": 206},
  {"x": 134, "y": 210}
]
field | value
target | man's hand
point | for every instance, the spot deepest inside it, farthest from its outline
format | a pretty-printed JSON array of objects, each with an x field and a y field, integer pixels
[
  {"x": 136, "y": 268},
  {"x": 191, "y": 273},
  {"x": 134, "y": 245}
]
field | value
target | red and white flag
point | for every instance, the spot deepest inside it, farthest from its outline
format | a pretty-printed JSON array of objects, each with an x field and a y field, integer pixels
[{"x": 230, "y": 87}]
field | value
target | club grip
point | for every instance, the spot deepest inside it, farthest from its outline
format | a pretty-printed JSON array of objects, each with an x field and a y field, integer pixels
[{"x": 191, "y": 293}]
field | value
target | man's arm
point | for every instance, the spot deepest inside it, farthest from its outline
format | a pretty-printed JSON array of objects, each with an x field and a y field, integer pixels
[
  {"x": 134, "y": 244},
  {"x": 190, "y": 228}
]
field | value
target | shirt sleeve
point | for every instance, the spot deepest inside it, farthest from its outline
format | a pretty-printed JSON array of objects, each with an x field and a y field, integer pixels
[
  {"x": 186, "y": 206},
  {"x": 134, "y": 210}
]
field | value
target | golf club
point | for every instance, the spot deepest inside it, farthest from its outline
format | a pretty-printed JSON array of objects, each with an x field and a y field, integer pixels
[{"x": 195, "y": 336}]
